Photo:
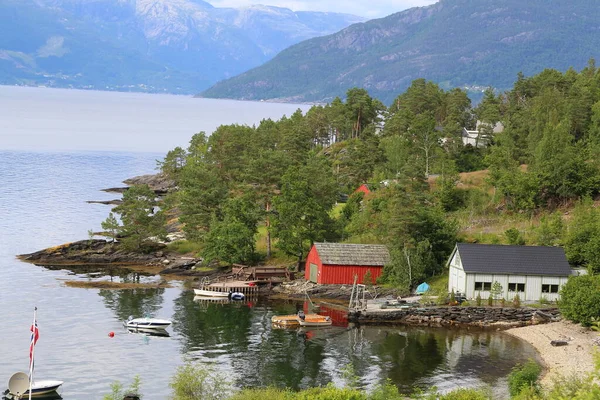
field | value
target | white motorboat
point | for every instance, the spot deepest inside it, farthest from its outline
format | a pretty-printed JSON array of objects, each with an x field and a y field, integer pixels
[
  {"x": 211, "y": 293},
  {"x": 20, "y": 384},
  {"x": 219, "y": 294},
  {"x": 146, "y": 323},
  {"x": 18, "y": 387}
]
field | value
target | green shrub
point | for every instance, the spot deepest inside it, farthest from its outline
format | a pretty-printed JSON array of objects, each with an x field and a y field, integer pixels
[
  {"x": 193, "y": 382},
  {"x": 516, "y": 301},
  {"x": 330, "y": 393},
  {"x": 478, "y": 299},
  {"x": 490, "y": 300},
  {"x": 523, "y": 376},
  {"x": 580, "y": 299},
  {"x": 466, "y": 394},
  {"x": 263, "y": 394},
  {"x": 118, "y": 391}
]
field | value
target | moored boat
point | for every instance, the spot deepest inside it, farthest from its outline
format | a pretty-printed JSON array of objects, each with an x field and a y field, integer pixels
[
  {"x": 295, "y": 320},
  {"x": 219, "y": 294},
  {"x": 210, "y": 293},
  {"x": 146, "y": 323}
]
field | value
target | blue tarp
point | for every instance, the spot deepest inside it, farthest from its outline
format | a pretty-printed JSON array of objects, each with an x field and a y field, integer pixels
[{"x": 422, "y": 288}]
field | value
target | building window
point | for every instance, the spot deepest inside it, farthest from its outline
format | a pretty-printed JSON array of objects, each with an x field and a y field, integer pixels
[
  {"x": 549, "y": 288},
  {"x": 516, "y": 287},
  {"x": 483, "y": 286}
]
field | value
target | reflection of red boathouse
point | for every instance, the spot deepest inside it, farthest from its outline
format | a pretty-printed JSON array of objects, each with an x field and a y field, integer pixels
[{"x": 339, "y": 317}]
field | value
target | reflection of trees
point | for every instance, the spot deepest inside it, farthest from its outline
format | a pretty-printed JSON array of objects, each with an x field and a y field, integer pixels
[
  {"x": 281, "y": 357},
  {"x": 259, "y": 355},
  {"x": 137, "y": 302},
  {"x": 411, "y": 356},
  {"x": 491, "y": 355},
  {"x": 206, "y": 326}
]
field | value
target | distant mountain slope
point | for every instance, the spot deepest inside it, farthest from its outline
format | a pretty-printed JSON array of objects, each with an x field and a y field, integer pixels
[
  {"x": 176, "y": 46},
  {"x": 472, "y": 43}
]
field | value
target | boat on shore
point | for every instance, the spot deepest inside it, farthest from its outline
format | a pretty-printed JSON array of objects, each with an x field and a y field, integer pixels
[{"x": 294, "y": 320}]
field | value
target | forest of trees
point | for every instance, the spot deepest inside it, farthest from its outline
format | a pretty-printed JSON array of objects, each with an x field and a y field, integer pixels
[{"x": 283, "y": 180}]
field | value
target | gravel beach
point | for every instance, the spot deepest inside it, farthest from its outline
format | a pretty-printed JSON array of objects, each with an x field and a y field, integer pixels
[{"x": 576, "y": 358}]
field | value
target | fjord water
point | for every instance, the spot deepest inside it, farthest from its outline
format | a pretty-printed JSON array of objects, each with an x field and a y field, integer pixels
[{"x": 51, "y": 163}]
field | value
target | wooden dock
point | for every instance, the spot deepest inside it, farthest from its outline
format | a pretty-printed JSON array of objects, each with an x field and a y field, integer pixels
[
  {"x": 248, "y": 288},
  {"x": 261, "y": 273}
]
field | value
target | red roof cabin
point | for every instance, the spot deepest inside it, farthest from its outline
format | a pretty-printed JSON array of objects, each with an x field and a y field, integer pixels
[
  {"x": 338, "y": 263},
  {"x": 363, "y": 188}
]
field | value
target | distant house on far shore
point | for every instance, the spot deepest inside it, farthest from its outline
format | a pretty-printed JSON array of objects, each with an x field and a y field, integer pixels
[
  {"x": 482, "y": 135},
  {"x": 532, "y": 272},
  {"x": 363, "y": 188}
]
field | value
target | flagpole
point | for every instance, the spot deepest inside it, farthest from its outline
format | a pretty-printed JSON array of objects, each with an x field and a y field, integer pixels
[{"x": 33, "y": 333}]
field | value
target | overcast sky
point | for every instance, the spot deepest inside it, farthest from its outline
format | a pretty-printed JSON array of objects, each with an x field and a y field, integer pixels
[{"x": 363, "y": 8}]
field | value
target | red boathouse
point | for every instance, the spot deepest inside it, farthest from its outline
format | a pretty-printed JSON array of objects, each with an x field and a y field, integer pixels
[
  {"x": 338, "y": 263},
  {"x": 364, "y": 188}
]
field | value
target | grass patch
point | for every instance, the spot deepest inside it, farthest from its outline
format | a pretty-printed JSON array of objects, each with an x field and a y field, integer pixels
[
  {"x": 185, "y": 247},
  {"x": 438, "y": 283}
]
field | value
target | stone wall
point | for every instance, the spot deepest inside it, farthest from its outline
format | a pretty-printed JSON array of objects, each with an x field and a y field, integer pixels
[{"x": 467, "y": 316}]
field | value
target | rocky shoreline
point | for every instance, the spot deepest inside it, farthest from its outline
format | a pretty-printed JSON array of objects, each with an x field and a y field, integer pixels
[
  {"x": 99, "y": 252},
  {"x": 442, "y": 316}
]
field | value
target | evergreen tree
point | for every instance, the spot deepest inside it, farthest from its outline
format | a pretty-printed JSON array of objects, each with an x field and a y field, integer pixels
[{"x": 140, "y": 216}]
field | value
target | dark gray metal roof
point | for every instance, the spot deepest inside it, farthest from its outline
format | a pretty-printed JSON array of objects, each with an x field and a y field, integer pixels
[
  {"x": 517, "y": 260},
  {"x": 353, "y": 254}
]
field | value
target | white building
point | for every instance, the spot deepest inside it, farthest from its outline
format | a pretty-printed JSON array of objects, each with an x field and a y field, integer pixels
[
  {"x": 533, "y": 272},
  {"x": 482, "y": 135}
]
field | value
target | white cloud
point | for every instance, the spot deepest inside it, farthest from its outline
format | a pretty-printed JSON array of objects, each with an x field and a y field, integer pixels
[{"x": 364, "y": 8}]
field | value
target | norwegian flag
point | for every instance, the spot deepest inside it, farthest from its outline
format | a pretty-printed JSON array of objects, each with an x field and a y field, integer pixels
[{"x": 35, "y": 335}]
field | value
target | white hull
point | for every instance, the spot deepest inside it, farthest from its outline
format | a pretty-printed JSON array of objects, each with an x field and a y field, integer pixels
[
  {"x": 40, "y": 389},
  {"x": 210, "y": 293},
  {"x": 147, "y": 323}
]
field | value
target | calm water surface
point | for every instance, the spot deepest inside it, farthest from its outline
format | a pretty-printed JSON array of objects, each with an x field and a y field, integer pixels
[{"x": 43, "y": 198}]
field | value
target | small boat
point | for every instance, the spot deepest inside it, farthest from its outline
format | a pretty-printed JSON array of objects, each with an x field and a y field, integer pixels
[
  {"x": 218, "y": 294},
  {"x": 20, "y": 384},
  {"x": 294, "y": 320},
  {"x": 39, "y": 389},
  {"x": 210, "y": 293},
  {"x": 320, "y": 320},
  {"x": 146, "y": 323}
]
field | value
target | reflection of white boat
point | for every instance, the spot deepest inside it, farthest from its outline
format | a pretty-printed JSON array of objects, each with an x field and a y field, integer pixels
[
  {"x": 147, "y": 323},
  {"x": 149, "y": 332},
  {"x": 211, "y": 299},
  {"x": 219, "y": 294}
]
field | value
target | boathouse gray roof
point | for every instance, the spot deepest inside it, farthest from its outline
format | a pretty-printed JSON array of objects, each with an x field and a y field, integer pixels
[
  {"x": 353, "y": 254},
  {"x": 514, "y": 260}
]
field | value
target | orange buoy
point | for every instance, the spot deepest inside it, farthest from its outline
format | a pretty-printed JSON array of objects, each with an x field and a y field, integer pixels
[{"x": 111, "y": 334}]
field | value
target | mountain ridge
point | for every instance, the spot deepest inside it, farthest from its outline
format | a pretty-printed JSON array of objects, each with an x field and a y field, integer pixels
[
  {"x": 456, "y": 43},
  {"x": 174, "y": 46}
]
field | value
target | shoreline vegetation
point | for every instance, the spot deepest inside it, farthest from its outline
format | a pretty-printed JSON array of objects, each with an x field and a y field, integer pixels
[
  {"x": 574, "y": 359},
  {"x": 520, "y": 168}
]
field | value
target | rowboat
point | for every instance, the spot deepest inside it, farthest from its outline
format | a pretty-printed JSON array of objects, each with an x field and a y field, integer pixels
[{"x": 294, "y": 320}]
